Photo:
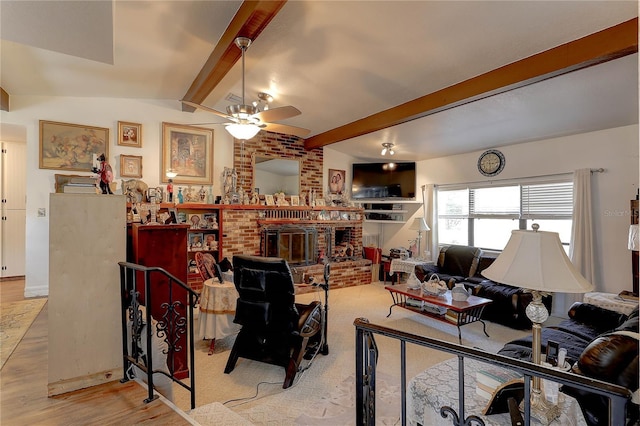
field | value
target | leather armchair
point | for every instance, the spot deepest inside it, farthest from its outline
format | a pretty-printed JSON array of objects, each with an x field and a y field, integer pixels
[{"x": 275, "y": 329}]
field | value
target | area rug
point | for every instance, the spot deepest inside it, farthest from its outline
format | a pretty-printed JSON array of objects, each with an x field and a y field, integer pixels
[
  {"x": 15, "y": 320},
  {"x": 324, "y": 394}
]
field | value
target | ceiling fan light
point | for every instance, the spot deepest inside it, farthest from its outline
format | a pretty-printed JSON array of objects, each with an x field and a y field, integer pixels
[
  {"x": 242, "y": 131},
  {"x": 391, "y": 151},
  {"x": 384, "y": 151},
  {"x": 387, "y": 149}
]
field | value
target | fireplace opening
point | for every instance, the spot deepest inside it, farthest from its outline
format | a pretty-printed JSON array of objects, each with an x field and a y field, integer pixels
[
  {"x": 298, "y": 245},
  {"x": 343, "y": 244}
]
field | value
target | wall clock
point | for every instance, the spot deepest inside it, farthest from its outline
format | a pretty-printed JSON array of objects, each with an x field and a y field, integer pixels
[{"x": 491, "y": 162}]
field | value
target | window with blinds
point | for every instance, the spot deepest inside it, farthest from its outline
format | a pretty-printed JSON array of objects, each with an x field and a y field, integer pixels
[{"x": 484, "y": 216}]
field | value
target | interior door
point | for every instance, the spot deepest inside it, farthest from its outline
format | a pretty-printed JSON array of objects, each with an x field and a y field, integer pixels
[{"x": 13, "y": 190}]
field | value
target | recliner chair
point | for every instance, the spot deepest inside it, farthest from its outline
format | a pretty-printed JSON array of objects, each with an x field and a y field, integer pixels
[{"x": 275, "y": 329}]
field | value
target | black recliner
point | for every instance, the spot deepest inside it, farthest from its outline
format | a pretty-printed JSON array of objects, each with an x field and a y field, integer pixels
[{"x": 275, "y": 329}]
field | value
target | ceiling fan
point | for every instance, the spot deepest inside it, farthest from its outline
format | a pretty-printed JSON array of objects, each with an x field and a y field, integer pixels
[{"x": 247, "y": 120}]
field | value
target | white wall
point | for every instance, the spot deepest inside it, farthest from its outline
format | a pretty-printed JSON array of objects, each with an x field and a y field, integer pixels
[
  {"x": 615, "y": 150},
  {"x": 26, "y": 111}
]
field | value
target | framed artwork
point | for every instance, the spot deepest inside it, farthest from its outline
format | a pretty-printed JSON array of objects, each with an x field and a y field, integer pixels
[
  {"x": 65, "y": 146},
  {"x": 320, "y": 202},
  {"x": 188, "y": 151},
  {"x": 195, "y": 241},
  {"x": 194, "y": 220},
  {"x": 268, "y": 198},
  {"x": 131, "y": 166},
  {"x": 336, "y": 181},
  {"x": 173, "y": 215},
  {"x": 129, "y": 134},
  {"x": 211, "y": 219},
  {"x": 295, "y": 200}
]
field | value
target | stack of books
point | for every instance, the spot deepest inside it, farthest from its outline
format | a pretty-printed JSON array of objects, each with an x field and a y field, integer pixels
[
  {"x": 488, "y": 380},
  {"x": 451, "y": 316},
  {"x": 80, "y": 185}
]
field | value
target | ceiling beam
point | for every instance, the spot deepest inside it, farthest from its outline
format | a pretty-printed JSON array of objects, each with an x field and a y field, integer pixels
[
  {"x": 611, "y": 43},
  {"x": 251, "y": 18},
  {"x": 4, "y": 100}
]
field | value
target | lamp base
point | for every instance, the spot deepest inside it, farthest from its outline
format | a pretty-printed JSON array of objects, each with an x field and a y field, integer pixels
[{"x": 541, "y": 409}]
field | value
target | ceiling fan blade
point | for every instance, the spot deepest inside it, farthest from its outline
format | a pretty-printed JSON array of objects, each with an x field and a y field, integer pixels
[
  {"x": 286, "y": 129},
  {"x": 206, "y": 108},
  {"x": 277, "y": 114}
]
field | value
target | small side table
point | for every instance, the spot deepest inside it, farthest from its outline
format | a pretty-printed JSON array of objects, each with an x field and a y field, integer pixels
[
  {"x": 217, "y": 310},
  {"x": 610, "y": 301}
]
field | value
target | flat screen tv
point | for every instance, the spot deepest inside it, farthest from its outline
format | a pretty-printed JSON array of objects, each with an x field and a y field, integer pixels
[{"x": 383, "y": 181}]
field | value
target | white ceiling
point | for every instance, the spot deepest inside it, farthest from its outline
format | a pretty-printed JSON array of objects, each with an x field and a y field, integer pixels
[{"x": 336, "y": 61}]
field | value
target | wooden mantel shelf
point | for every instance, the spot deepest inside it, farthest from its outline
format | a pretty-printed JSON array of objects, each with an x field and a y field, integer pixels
[{"x": 309, "y": 222}]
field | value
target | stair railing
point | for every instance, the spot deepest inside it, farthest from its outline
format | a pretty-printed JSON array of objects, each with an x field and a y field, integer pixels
[{"x": 137, "y": 294}]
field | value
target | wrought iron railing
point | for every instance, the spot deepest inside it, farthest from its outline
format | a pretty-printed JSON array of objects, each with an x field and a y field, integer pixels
[
  {"x": 367, "y": 355},
  {"x": 140, "y": 286}
]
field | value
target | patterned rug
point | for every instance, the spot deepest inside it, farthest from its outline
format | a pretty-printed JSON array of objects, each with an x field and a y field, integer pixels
[{"x": 15, "y": 320}]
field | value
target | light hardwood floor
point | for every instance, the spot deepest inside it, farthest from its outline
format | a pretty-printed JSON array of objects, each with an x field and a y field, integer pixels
[{"x": 24, "y": 378}]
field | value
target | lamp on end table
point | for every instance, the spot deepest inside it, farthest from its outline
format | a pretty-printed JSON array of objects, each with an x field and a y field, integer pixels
[
  {"x": 536, "y": 261},
  {"x": 419, "y": 224},
  {"x": 634, "y": 246}
]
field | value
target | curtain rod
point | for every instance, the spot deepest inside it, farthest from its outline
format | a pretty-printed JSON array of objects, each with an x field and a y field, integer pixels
[{"x": 598, "y": 170}]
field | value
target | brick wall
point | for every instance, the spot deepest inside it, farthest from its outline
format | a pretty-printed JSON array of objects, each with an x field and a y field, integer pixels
[{"x": 275, "y": 145}]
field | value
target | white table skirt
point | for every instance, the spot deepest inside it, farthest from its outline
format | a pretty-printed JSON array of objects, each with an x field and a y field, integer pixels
[
  {"x": 217, "y": 310},
  {"x": 438, "y": 386}
]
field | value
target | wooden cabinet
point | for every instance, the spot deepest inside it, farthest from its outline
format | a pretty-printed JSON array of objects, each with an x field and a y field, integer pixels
[{"x": 164, "y": 246}]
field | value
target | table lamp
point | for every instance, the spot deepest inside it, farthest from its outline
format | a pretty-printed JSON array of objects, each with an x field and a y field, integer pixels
[
  {"x": 536, "y": 261},
  {"x": 419, "y": 224},
  {"x": 634, "y": 246}
]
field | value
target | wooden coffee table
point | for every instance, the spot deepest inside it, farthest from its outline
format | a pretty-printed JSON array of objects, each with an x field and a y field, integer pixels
[{"x": 460, "y": 313}]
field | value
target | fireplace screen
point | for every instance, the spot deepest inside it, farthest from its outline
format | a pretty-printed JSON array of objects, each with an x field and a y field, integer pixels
[{"x": 297, "y": 245}]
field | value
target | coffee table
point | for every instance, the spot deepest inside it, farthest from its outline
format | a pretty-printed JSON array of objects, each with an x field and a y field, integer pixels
[{"x": 459, "y": 313}]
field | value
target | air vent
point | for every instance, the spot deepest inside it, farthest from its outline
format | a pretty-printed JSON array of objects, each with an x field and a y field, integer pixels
[{"x": 234, "y": 98}]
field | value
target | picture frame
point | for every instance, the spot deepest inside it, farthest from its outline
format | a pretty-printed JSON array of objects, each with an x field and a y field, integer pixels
[
  {"x": 129, "y": 134},
  {"x": 131, "y": 166},
  {"x": 196, "y": 241},
  {"x": 187, "y": 151},
  {"x": 195, "y": 221},
  {"x": 211, "y": 220},
  {"x": 173, "y": 214},
  {"x": 336, "y": 181},
  {"x": 67, "y": 146},
  {"x": 268, "y": 198},
  {"x": 320, "y": 202},
  {"x": 295, "y": 200}
]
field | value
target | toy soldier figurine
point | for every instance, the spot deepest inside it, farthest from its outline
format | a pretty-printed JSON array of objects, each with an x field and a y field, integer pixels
[
  {"x": 106, "y": 174},
  {"x": 170, "y": 191}
]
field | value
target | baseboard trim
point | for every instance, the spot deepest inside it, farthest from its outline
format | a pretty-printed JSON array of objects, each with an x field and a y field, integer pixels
[
  {"x": 36, "y": 291},
  {"x": 70, "y": 385}
]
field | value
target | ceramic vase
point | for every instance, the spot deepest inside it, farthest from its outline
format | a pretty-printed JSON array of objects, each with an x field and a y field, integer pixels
[{"x": 459, "y": 293}]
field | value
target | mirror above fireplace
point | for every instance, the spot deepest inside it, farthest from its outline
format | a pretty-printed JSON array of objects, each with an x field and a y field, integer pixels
[{"x": 271, "y": 175}]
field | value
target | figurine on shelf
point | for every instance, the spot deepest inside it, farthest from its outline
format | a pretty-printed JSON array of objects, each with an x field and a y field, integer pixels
[
  {"x": 180, "y": 196},
  {"x": 106, "y": 174},
  {"x": 210, "y": 195},
  {"x": 170, "y": 191},
  {"x": 202, "y": 194}
]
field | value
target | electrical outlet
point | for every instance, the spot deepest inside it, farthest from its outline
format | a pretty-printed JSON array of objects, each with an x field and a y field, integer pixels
[{"x": 42, "y": 212}]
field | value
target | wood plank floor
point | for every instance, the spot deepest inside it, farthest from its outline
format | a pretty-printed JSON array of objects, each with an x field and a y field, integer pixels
[{"x": 24, "y": 379}]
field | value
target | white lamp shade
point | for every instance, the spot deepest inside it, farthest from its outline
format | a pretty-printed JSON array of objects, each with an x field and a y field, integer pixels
[
  {"x": 535, "y": 260},
  {"x": 419, "y": 224},
  {"x": 242, "y": 130},
  {"x": 634, "y": 238}
]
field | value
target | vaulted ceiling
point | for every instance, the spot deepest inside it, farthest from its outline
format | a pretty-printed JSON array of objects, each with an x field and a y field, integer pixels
[{"x": 434, "y": 77}]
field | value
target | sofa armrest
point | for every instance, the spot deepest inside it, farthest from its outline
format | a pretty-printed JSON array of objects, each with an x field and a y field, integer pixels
[
  {"x": 424, "y": 271},
  {"x": 605, "y": 319}
]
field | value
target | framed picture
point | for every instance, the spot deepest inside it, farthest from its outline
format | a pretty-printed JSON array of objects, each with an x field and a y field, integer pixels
[
  {"x": 268, "y": 198},
  {"x": 129, "y": 134},
  {"x": 211, "y": 219},
  {"x": 295, "y": 200},
  {"x": 194, "y": 221},
  {"x": 131, "y": 166},
  {"x": 173, "y": 215},
  {"x": 65, "y": 146},
  {"x": 320, "y": 202},
  {"x": 188, "y": 151},
  {"x": 336, "y": 181},
  {"x": 195, "y": 241}
]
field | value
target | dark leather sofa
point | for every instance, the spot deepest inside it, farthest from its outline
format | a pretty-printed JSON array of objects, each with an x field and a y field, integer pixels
[
  {"x": 464, "y": 264},
  {"x": 600, "y": 345}
]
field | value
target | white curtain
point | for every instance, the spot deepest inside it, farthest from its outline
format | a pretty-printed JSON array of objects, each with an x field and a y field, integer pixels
[
  {"x": 581, "y": 250},
  {"x": 430, "y": 215}
]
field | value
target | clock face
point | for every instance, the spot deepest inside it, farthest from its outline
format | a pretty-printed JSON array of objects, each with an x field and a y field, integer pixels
[{"x": 491, "y": 162}]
